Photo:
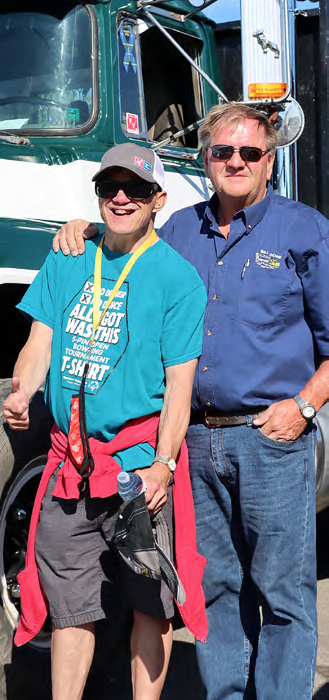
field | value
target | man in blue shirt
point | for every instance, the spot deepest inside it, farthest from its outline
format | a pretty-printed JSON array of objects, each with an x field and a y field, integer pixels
[{"x": 262, "y": 376}]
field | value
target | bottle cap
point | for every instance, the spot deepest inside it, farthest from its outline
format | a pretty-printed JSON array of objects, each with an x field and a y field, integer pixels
[{"x": 123, "y": 477}]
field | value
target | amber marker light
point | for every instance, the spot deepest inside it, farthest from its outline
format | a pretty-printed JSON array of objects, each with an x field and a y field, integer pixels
[{"x": 261, "y": 90}]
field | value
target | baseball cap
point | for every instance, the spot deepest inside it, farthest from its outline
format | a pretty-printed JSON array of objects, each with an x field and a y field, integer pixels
[
  {"x": 142, "y": 161},
  {"x": 146, "y": 549}
]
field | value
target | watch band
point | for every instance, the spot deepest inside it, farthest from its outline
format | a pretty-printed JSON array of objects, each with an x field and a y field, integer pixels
[
  {"x": 307, "y": 410},
  {"x": 168, "y": 461}
]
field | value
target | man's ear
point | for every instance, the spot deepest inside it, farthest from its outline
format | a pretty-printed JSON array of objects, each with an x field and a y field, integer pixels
[
  {"x": 205, "y": 160},
  {"x": 270, "y": 163},
  {"x": 161, "y": 198}
]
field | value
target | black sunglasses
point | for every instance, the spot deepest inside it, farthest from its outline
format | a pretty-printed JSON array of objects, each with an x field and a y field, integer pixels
[
  {"x": 250, "y": 154},
  {"x": 133, "y": 189}
]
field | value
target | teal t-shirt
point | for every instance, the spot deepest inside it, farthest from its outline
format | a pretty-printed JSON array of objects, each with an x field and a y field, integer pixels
[{"x": 155, "y": 321}]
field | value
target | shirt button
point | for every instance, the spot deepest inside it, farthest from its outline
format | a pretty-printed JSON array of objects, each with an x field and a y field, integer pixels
[
  {"x": 204, "y": 369},
  {"x": 208, "y": 403},
  {"x": 214, "y": 296},
  {"x": 208, "y": 332},
  {"x": 220, "y": 262}
]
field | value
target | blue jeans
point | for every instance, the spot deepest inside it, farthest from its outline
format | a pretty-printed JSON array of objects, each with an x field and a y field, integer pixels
[{"x": 255, "y": 515}]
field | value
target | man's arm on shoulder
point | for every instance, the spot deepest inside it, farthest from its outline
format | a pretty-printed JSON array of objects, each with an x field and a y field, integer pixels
[
  {"x": 283, "y": 420},
  {"x": 29, "y": 374},
  {"x": 70, "y": 238},
  {"x": 174, "y": 420}
]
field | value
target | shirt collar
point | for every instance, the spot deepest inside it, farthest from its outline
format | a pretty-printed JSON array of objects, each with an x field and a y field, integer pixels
[
  {"x": 250, "y": 215},
  {"x": 255, "y": 213},
  {"x": 211, "y": 211}
]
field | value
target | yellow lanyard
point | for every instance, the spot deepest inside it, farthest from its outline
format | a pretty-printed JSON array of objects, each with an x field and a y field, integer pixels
[{"x": 97, "y": 318}]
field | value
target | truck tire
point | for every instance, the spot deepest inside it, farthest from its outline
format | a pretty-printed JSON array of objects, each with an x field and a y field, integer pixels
[{"x": 23, "y": 456}]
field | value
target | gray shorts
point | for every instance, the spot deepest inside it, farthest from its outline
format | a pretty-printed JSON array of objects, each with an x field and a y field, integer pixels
[{"x": 81, "y": 572}]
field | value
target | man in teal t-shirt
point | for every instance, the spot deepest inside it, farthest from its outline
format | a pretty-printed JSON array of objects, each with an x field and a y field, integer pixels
[{"x": 141, "y": 336}]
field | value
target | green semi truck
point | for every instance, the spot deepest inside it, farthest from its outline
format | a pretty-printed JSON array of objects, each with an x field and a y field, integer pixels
[{"x": 76, "y": 78}]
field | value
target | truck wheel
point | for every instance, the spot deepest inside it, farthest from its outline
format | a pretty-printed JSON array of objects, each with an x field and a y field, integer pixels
[{"x": 22, "y": 459}]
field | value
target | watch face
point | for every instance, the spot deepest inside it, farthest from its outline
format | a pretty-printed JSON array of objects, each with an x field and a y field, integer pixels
[
  {"x": 308, "y": 411},
  {"x": 172, "y": 464}
]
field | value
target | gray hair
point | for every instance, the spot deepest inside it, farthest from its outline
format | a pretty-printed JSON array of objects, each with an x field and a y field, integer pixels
[{"x": 232, "y": 114}]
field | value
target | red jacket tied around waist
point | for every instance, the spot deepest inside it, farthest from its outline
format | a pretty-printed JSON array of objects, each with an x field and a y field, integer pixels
[{"x": 103, "y": 482}]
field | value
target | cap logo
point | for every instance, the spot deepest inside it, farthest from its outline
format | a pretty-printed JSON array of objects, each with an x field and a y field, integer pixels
[{"x": 143, "y": 164}]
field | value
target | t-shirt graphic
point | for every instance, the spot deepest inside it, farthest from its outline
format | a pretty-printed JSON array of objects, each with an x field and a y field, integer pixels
[{"x": 111, "y": 337}]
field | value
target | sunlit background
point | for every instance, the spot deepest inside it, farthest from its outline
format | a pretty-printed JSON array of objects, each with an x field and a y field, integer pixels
[{"x": 229, "y": 10}]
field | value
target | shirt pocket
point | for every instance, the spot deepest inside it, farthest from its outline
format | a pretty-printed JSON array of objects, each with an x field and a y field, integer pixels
[{"x": 263, "y": 294}]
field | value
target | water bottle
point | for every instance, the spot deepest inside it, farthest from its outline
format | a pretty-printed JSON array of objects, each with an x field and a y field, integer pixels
[{"x": 130, "y": 485}]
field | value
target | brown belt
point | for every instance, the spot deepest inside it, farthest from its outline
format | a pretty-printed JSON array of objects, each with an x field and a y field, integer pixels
[{"x": 215, "y": 419}]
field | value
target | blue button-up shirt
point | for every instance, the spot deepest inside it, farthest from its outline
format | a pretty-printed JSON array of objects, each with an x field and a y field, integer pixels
[{"x": 267, "y": 317}]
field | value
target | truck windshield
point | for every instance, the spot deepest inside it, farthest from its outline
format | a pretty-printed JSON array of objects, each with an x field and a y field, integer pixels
[
  {"x": 160, "y": 92},
  {"x": 45, "y": 70}
]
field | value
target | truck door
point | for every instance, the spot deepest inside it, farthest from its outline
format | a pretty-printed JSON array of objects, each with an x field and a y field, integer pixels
[{"x": 159, "y": 93}]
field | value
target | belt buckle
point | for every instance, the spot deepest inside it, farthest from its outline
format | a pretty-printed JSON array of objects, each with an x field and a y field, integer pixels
[{"x": 207, "y": 418}]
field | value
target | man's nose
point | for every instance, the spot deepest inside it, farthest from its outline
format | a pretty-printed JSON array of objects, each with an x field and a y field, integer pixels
[
  {"x": 236, "y": 161},
  {"x": 120, "y": 197}
]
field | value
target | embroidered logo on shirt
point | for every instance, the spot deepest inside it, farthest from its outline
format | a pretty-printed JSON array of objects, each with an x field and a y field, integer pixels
[{"x": 269, "y": 260}]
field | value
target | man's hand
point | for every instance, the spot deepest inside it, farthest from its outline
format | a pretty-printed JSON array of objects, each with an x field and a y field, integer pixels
[
  {"x": 157, "y": 478},
  {"x": 71, "y": 237},
  {"x": 282, "y": 421},
  {"x": 16, "y": 407}
]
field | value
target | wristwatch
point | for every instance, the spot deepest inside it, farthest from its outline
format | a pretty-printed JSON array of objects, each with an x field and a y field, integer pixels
[
  {"x": 307, "y": 410},
  {"x": 168, "y": 461}
]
